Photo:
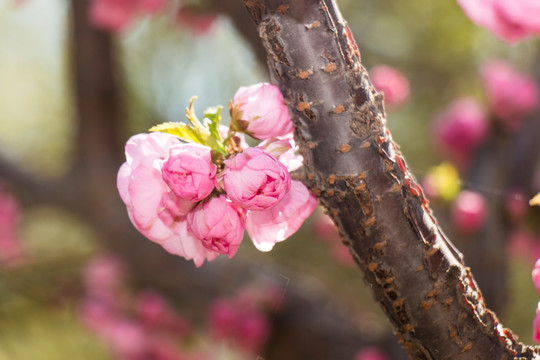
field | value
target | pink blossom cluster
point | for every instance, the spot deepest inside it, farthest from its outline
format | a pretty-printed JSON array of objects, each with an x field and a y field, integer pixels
[
  {"x": 11, "y": 251},
  {"x": 142, "y": 325},
  {"x": 196, "y": 206},
  {"x": 509, "y": 20},
  {"x": 393, "y": 84}
]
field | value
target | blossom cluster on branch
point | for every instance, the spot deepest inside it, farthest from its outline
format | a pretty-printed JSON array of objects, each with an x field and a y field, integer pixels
[{"x": 195, "y": 188}]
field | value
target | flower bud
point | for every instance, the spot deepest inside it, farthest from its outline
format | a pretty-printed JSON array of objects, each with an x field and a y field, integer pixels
[
  {"x": 259, "y": 110},
  {"x": 218, "y": 224},
  {"x": 189, "y": 172},
  {"x": 255, "y": 180}
]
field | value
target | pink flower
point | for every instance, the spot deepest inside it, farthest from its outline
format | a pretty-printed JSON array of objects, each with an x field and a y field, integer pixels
[
  {"x": 460, "y": 128},
  {"x": 189, "y": 172},
  {"x": 152, "y": 208},
  {"x": 218, "y": 224},
  {"x": 11, "y": 251},
  {"x": 262, "y": 111},
  {"x": 392, "y": 83},
  {"x": 255, "y": 180},
  {"x": 469, "y": 211},
  {"x": 270, "y": 226},
  {"x": 509, "y": 20},
  {"x": 536, "y": 325},
  {"x": 510, "y": 94}
]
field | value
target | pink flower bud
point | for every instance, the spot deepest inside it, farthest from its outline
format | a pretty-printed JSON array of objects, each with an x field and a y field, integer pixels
[
  {"x": 392, "y": 83},
  {"x": 218, "y": 224},
  {"x": 189, "y": 172},
  {"x": 263, "y": 111},
  {"x": 270, "y": 226},
  {"x": 510, "y": 94},
  {"x": 460, "y": 128},
  {"x": 536, "y": 275},
  {"x": 469, "y": 211},
  {"x": 255, "y": 180}
]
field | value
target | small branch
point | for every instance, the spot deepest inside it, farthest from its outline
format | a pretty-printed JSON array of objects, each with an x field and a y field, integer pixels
[{"x": 353, "y": 165}]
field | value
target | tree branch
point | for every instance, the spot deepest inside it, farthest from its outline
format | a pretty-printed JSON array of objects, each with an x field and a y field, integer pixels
[{"x": 353, "y": 165}]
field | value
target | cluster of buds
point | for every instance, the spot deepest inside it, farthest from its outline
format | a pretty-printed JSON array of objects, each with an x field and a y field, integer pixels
[{"x": 195, "y": 189}]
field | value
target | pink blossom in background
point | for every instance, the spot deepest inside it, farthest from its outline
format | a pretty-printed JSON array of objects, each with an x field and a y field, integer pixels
[
  {"x": 288, "y": 157},
  {"x": 199, "y": 23},
  {"x": 263, "y": 111},
  {"x": 516, "y": 204},
  {"x": 536, "y": 275},
  {"x": 391, "y": 83},
  {"x": 218, "y": 223},
  {"x": 103, "y": 278},
  {"x": 11, "y": 251},
  {"x": 189, "y": 171},
  {"x": 370, "y": 353},
  {"x": 512, "y": 95},
  {"x": 460, "y": 128},
  {"x": 156, "y": 213},
  {"x": 116, "y": 15},
  {"x": 536, "y": 325},
  {"x": 469, "y": 211},
  {"x": 255, "y": 180},
  {"x": 270, "y": 226},
  {"x": 156, "y": 314},
  {"x": 241, "y": 323},
  {"x": 509, "y": 20},
  {"x": 524, "y": 245}
]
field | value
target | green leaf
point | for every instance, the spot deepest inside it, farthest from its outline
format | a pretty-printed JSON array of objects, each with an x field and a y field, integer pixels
[
  {"x": 183, "y": 131},
  {"x": 211, "y": 120}
]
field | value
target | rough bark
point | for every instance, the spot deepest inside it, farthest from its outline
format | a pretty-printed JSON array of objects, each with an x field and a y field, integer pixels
[{"x": 353, "y": 165}]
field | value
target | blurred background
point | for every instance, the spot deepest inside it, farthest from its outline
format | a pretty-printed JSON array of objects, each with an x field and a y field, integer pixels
[{"x": 78, "y": 78}]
